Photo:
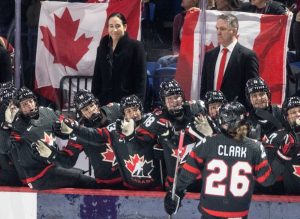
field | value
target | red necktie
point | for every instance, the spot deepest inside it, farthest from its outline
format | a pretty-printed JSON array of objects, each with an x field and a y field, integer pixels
[{"x": 221, "y": 68}]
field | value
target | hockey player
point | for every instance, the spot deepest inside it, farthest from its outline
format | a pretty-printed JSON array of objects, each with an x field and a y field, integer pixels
[
  {"x": 289, "y": 135},
  {"x": 166, "y": 124},
  {"x": 8, "y": 110},
  {"x": 136, "y": 162},
  {"x": 33, "y": 126},
  {"x": 264, "y": 118},
  {"x": 229, "y": 163},
  {"x": 90, "y": 114},
  {"x": 213, "y": 101}
]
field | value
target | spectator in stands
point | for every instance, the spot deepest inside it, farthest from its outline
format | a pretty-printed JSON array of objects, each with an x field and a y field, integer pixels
[
  {"x": 227, "y": 5},
  {"x": 188, "y": 5},
  {"x": 120, "y": 68},
  {"x": 296, "y": 31},
  {"x": 238, "y": 66},
  {"x": 5, "y": 64},
  {"x": 264, "y": 7}
]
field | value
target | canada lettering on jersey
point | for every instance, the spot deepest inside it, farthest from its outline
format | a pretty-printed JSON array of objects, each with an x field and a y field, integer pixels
[{"x": 232, "y": 151}]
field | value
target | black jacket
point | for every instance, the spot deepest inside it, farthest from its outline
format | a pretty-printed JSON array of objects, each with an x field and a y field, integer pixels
[
  {"x": 121, "y": 72},
  {"x": 242, "y": 66},
  {"x": 5, "y": 66},
  {"x": 272, "y": 7}
]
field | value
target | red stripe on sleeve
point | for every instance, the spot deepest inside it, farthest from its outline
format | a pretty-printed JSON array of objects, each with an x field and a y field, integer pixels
[{"x": 191, "y": 169}]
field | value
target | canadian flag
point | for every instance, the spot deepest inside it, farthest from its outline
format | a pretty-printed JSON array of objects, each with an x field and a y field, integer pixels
[
  {"x": 267, "y": 35},
  {"x": 68, "y": 37}
]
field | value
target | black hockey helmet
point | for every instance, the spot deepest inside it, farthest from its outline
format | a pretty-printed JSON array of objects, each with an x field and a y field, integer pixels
[
  {"x": 290, "y": 103},
  {"x": 131, "y": 101},
  {"x": 7, "y": 92},
  {"x": 215, "y": 96},
  {"x": 83, "y": 98},
  {"x": 24, "y": 93},
  {"x": 256, "y": 85},
  {"x": 169, "y": 88},
  {"x": 232, "y": 114}
]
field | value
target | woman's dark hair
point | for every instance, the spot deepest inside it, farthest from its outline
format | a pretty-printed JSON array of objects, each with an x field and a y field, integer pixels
[{"x": 119, "y": 15}]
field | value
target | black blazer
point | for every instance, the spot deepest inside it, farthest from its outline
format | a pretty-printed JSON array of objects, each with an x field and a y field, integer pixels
[
  {"x": 242, "y": 66},
  {"x": 119, "y": 73}
]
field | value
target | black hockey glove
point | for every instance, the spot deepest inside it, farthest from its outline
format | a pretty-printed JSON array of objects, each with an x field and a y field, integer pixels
[
  {"x": 119, "y": 125},
  {"x": 164, "y": 129},
  {"x": 171, "y": 206},
  {"x": 68, "y": 126},
  {"x": 158, "y": 152},
  {"x": 289, "y": 149},
  {"x": 44, "y": 150},
  {"x": 56, "y": 128}
]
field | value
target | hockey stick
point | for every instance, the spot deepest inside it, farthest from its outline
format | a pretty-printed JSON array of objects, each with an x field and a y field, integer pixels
[{"x": 180, "y": 144}]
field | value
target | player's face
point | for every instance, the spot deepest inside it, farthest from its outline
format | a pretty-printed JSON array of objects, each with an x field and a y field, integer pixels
[
  {"x": 225, "y": 33},
  {"x": 116, "y": 28},
  {"x": 28, "y": 106},
  {"x": 133, "y": 113},
  {"x": 259, "y": 100},
  {"x": 90, "y": 110},
  {"x": 293, "y": 115},
  {"x": 213, "y": 109},
  {"x": 174, "y": 102}
]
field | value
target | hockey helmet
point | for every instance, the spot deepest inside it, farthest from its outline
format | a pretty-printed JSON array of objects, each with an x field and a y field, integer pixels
[
  {"x": 256, "y": 85},
  {"x": 233, "y": 115},
  {"x": 170, "y": 88},
  {"x": 23, "y": 94},
  {"x": 7, "y": 92},
  {"x": 131, "y": 101},
  {"x": 215, "y": 96},
  {"x": 83, "y": 98}
]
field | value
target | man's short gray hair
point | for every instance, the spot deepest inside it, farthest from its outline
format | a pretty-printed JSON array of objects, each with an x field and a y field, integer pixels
[{"x": 230, "y": 19}]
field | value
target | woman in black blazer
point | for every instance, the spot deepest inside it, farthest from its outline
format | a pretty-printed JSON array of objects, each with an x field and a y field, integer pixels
[{"x": 120, "y": 68}]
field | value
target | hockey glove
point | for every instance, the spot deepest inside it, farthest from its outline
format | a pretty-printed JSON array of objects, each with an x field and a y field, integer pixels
[
  {"x": 56, "y": 128},
  {"x": 158, "y": 152},
  {"x": 10, "y": 114},
  {"x": 127, "y": 127},
  {"x": 201, "y": 124},
  {"x": 119, "y": 125},
  {"x": 287, "y": 150},
  {"x": 164, "y": 128},
  {"x": 68, "y": 126},
  {"x": 171, "y": 206},
  {"x": 46, "y": 150}
]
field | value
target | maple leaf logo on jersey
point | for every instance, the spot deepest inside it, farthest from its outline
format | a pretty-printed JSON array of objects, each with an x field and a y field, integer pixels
[
  {"x": 138, "y": 167},
  {"x": 186, "y": 149},
  {"x": 48, "y": 139},
  {"x": 297, "y": 170},
  {"x": 109, "y": 156},
  {"x": 64, "y": 41}
]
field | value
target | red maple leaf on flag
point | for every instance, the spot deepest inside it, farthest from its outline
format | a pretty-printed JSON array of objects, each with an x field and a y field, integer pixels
[
  {"x": 63, "y": 46},
  {"x": 109, "y": 156},
  {"x": 297, "y": 170}
]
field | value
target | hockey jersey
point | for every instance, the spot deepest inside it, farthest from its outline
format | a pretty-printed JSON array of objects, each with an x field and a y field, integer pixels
[{"x": 229, "y": 169}]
